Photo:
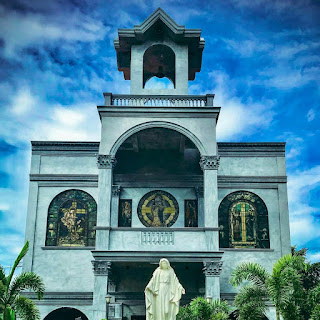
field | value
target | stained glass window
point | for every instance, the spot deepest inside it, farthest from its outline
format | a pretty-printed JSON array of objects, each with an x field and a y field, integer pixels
[
  {"x": 243, "y": 221},
  {"x": 125, "y": 213},
  {"x": 72, "y": 217},
  {"x": 158, "y": 209},
  {"x": 191, "y": 213}
]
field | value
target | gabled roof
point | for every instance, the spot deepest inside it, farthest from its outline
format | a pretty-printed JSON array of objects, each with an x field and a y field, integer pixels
[{"x": 158, "y": 26}]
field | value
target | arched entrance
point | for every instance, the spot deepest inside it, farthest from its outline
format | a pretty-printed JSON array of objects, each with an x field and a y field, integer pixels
[{"x": 66, "y": 313}]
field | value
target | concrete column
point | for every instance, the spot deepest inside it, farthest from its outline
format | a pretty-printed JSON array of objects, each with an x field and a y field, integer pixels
[
  {"x": 209, "y": 165},
  {"x": 116, "y": 190},
  {"x": 101, "y": 269},
  {"x": 212, "y": 271},
  {"x": 105, "y": 164}
]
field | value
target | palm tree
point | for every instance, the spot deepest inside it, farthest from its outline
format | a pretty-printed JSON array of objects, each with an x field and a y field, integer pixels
[
  {"x": 283, "y": 287},
  {"x": 11, "y": 301}
]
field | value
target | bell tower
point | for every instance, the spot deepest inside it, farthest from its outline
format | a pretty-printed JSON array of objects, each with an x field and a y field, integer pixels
[{"x": 159, "y": 48}]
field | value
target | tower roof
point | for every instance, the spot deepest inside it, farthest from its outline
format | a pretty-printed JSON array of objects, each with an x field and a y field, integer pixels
[{"x": 156, "y": 27}]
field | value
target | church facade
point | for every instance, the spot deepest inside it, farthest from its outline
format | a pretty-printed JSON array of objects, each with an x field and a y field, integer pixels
[{"x": 157, "y": 185}]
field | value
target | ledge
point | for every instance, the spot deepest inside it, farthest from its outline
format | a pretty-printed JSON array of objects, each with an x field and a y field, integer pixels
[
  {"x": 251, "y": 149},
  {"x": 247, "y": 249},
  {"x": 66, "y": 248},
  {"x": 155, "y": 256},
  {"x": 164, "y": 229}
]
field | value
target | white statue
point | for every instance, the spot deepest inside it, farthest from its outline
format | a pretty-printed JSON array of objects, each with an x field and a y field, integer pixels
[{"x": 163, "y": 293}]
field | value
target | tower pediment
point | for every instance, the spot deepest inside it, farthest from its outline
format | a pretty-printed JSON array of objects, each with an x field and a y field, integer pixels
[{"x": 159, "y": 26}]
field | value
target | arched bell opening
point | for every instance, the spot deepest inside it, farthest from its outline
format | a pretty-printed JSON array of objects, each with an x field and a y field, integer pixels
[
  {"x": 158, "y": 152},
  {"x": 66, "y": 313},
  {"x": 159, "y": 61},
  {"x": 159, "y": 83}
]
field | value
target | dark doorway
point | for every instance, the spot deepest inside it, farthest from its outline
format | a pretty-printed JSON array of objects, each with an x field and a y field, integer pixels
[
  {"x": 66, "y": 314},
  {"x": 138, "y": 317}
]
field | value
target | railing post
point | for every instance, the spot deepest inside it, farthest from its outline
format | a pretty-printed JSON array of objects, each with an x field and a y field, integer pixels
[
  {"x": 210, "y": 98},
  {"x": 107, "y": 98}
]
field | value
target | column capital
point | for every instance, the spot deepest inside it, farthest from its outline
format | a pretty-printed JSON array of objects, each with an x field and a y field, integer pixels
[
  {"x": 116, "y": 190},
  {"x": 101, "y": 267},
  {"x": 212, "y": 268},
  {"x": 106, "y": 161},
  {"x": 209, "y": 162}
]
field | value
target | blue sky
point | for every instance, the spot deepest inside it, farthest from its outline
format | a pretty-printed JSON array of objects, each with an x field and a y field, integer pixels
[{"x": 262, "y": 60}]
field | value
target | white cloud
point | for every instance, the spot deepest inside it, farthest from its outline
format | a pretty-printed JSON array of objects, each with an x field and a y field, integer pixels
[
  {"x": 314, "y": 257},
  {"x": 303, "y": 224},
  {"x": 23, "y": 102},
  {"x": 274, "y": 6},
  {"x": 311, "y": 115},
  {"x": 31, "y": 29},
  {"x": 237, "y": 118}
]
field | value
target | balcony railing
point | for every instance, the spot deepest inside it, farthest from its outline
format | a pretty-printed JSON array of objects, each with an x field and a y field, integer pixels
[{"x": 158, "y": 100}]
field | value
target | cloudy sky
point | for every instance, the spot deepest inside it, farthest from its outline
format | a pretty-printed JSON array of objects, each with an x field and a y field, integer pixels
[{"x": 262, "y": 60}]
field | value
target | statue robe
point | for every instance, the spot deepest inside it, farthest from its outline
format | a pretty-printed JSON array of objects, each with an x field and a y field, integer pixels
[{"x": 163, "y": 294}]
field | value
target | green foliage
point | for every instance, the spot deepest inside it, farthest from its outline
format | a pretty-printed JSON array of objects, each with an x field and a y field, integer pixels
[
  {"x": 316, "y": 313},
  {"x": 11, "y": 302},
  {"x": 291, "y": 287},
  {"x": 220, "y": 310},
  {"x": 250, "y": 302},
  {"x": 249, "y": 271},
  {"x": 185, "y": 313},
  {"x": 200, "y": 309}
]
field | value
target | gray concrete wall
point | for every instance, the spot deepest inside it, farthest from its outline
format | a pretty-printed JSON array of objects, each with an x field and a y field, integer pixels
[{"x": 70, "y": 269}]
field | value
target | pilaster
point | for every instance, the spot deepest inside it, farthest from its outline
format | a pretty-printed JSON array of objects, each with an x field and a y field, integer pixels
[
  {"x": 105, "y": 164},
  {"x": 212, "y": 271},
  {"x": 210, "y": 165},
  {"x": 199, "y": 194},
  {"x": 101, "y": 270},
  {"x": 116, "y": 191}
]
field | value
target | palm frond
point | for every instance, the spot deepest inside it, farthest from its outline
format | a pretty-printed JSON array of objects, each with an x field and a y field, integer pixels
[
  {"x": 27, "y": 280},
  {"x": 297, "y": 262},
  {"x": 22, "y": 253},
  {"x": 220, "y": 306},
  {"x": 26, "y": 309},
  {"x": 250, "y": 271},
  {"x": 251, "y": 302},
  {"x": 2, "y": 275}
]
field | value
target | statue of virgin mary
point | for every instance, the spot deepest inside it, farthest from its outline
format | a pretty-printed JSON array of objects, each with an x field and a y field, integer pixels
[{"x": 163, "y": 293}]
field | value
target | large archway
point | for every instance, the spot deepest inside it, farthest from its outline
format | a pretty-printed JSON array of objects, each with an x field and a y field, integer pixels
[
  {"x": 158, "y": 152},
  {"x": 66, "y": 313}
]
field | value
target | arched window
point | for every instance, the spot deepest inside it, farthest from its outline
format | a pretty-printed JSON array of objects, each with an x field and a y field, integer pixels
[
  {"x": 243, "y": 221},
  {"x": 72, "y": 217}
]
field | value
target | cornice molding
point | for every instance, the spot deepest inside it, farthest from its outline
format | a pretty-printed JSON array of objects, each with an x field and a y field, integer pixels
[
  {"x": 65, "y": 146},
  {"x": 251, "y": 149}
]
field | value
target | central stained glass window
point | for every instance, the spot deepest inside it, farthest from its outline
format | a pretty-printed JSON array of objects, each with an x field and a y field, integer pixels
[{"x": 158, "y": 209}]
